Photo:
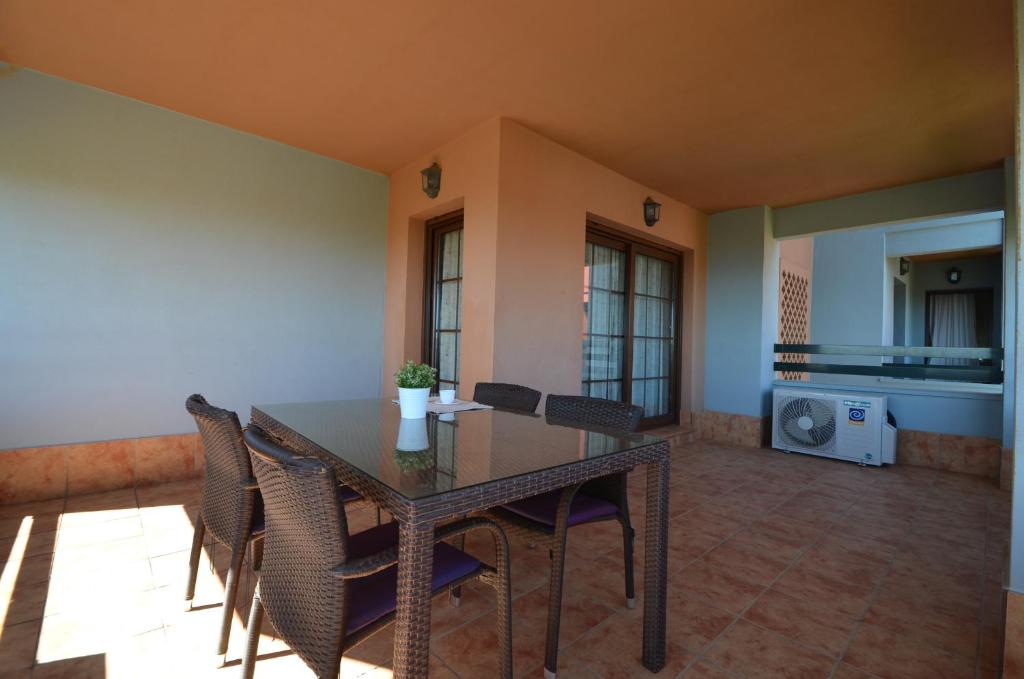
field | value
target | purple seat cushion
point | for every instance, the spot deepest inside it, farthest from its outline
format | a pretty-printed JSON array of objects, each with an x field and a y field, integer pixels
[
  {"x": 374, "y": 596},
  {"x": 542, "y": 508}
]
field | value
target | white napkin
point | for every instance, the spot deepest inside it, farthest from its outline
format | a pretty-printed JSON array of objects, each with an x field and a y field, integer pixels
[{"x": 434, "y": 405}]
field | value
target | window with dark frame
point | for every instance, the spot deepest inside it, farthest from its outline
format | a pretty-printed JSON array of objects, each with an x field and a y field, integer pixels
[
  {"x": 443, "y": 313},
  {"x": 631, "y": 324}
]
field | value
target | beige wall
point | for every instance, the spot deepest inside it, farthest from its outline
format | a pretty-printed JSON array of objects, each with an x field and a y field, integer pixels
[
  {"x": 469, "y": 181},
  {"x": 527, "y": 200}
]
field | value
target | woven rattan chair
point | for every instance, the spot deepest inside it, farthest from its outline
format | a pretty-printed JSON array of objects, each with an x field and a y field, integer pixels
[
  {"x": 325, "y": 590},
  {"x": 507, "y": 396},
  {"x": 544, "y": 520},
  {"x": 232, "y": 508}
]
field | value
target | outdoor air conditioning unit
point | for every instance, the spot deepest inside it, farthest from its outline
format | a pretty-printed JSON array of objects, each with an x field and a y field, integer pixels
[{"x": 844, "y": 426}]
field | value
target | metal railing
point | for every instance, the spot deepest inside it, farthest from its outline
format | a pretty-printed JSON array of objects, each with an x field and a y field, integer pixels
[{"x": 992, "y": 374}]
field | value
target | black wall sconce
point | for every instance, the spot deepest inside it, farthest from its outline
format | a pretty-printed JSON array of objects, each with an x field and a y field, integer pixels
[
  {"x": 904, "y": 266},
  {"x": 953, "y": 276},
  {"x": 431, "y": 180},
  {"x": 652, "y": 211}
]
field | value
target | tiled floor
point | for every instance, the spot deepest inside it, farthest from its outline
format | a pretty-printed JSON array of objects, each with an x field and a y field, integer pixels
[{"x": 781, "y": 565}]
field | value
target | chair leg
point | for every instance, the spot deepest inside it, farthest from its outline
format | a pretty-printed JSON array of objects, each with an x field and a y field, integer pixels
[
  {"x": 503, "y": 566},
  {"x": 628, "y": 537},
  {"x": 455, "y": 593},
  {"x": 230, "y": 594},
  {"x": 554, "y": 609},
  {"x": 256, "y": 556},
  {"x": 253, "y": 636},
  {"x": 193, "y": 560}
]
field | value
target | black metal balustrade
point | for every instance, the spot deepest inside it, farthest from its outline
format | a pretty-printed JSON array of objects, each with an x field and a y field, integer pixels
[{"x": 992, "y": 374}]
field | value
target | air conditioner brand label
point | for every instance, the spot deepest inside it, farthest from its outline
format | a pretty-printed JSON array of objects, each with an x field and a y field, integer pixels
[
  {"x": 857, "y": 416},
  {"x": 856, "y": 404}
]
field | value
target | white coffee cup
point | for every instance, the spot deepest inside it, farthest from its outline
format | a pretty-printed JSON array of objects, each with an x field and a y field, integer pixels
[{"x": 447, "y": 396}]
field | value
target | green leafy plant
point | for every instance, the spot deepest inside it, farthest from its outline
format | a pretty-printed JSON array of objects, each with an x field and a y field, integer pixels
[
  {"x": 413, "y": 461},
  {"x": 414, "y": 375}
]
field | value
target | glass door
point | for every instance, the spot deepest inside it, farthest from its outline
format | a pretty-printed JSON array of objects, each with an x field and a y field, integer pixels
[
  {"x": 654, "y": 334},
  {"x": 604, "y": 325},
  {"x": 631, "y": 325},
  {"x": 444, "y": 299}
]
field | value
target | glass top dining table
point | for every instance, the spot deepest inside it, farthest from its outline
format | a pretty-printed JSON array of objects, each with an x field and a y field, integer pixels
[
  {"x": 441, "y": 453},
  {"x": 426, "y": 472}
]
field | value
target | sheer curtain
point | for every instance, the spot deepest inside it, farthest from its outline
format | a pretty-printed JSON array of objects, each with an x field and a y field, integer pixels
[{"x": 952, "y": 324}]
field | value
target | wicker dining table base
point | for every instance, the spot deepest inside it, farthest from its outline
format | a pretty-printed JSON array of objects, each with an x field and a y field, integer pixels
[{"x": 417, "y": 519}]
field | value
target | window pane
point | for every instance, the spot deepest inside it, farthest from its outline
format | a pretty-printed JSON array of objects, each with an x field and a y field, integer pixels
[
  {"x": 604, "y": 321},
  {"x": 446, "y": 314},
  {"x": 448, "y": 306}
]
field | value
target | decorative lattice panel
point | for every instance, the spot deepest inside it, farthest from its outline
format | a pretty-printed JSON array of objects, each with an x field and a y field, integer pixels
[{"x": 794, "y": 317}]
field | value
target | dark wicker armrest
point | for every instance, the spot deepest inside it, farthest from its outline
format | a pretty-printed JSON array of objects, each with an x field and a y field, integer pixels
[{"x": 368, "y": 565}]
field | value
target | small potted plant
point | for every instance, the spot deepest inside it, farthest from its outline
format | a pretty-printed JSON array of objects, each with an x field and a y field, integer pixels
[{"x": 414, "y": 381}]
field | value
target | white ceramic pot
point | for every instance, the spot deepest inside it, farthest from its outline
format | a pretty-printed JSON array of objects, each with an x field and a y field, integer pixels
[
  {"x": 413, "y": 403},
  {"x": 412, "y": 435}
]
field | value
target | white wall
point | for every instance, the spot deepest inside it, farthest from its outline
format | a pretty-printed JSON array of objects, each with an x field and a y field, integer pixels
[{"x": 146, "y": 255}]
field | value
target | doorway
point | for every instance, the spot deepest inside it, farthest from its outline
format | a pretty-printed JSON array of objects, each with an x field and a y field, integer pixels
[
  {"x": 443, "y": 304},
  {"x": 631, "y": 324}
]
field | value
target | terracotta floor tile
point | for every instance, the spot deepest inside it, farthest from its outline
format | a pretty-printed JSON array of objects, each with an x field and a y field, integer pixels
[
  {"x": 801, "y": 621},
  {"x": 824, "y": 593},
  {"x": 82, "y": 667},
  {"x": 768, "y": 541},
  {"x": 693, "y": 623},
  {"x": 753, "y": 565},
  {"x": 875, "y": 650},
  {"x": 110, "y": 582},
  {"x": 614, "y": 650},
  {"x": 715, "y": 586},
  {"x": 705, "y": 670},
  {"x": 603, "y": 581},
  {"x": 907, "y": 618},
  {"x": 72, "y": 536},
  {"x": 845, "y": 671},
  {"x": 34, "y": 569},
  {"x": 25, "y": 604},
  {"x": 18, "y": 645},
  {"x": 748, "y": 649},
  {"x": 35, "y": 509}
]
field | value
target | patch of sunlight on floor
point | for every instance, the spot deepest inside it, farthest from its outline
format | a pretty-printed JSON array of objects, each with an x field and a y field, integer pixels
[{"x": 9, "y": 576}]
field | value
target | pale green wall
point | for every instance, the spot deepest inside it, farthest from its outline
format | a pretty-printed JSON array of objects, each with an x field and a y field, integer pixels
[
  {"x": 146, "y": 255},
  {"x": 974, "y": 192},
  {"x": 742, "y": 311}
]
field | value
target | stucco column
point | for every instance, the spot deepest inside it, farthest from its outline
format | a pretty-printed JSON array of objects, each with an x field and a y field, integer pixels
[{"x": 742, "y": 324}]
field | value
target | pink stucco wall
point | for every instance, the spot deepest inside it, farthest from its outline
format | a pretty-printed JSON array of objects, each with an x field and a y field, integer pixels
[{"x": 527, "y": 201}]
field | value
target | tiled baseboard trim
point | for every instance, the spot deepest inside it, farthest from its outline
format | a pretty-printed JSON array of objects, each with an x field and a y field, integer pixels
[
  {"x": 29, "y": 474},
  {"x": 733, "y": 429},
  {"x": 963, "y": 454}
]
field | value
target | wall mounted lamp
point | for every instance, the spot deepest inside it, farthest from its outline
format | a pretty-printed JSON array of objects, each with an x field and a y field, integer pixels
[
  {"x": 652, "y": 211},
  {"x": 953, "y": 276},
  {"x": 431, "y": 180},
  {"x": 904, "y": 266}
]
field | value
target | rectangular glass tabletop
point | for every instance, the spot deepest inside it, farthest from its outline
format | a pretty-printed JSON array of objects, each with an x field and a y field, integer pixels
[{"x": 420, "y": 458}]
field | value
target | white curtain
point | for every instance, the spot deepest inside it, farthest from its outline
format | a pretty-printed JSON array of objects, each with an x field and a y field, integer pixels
[{"x": 952, "y": 325}]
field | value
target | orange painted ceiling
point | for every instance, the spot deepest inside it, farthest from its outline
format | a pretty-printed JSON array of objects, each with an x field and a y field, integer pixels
[{"x": 719, "y": 103}]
